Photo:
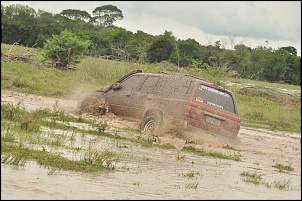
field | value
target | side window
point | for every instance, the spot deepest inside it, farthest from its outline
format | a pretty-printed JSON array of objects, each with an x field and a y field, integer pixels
[
  {"x": 150, "y": 85},
  {"x": 132, "y": 83},
  {"x": 175, "y": 87},
  {"x": 215, "y": 97}
]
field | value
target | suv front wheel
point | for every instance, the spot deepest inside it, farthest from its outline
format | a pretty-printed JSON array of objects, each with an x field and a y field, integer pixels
[{"x": 92, "y": 105}]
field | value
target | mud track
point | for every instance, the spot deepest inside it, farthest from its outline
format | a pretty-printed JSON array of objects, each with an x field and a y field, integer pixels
[{"x": 260, "y": 149}]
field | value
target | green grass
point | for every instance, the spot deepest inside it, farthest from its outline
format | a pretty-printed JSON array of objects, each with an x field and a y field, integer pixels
[
  {"x": 21, "y": 50},
  {"x": 283, "y": 168},
  {"x": 257, "y": 107},
  {"x": 214, "y": 154},
  {"x": 23, "y": 139},
  {"x": 256, "y": 179},
  {"x": 192, "y": 174},
  {"x": 193, "y": 185},
  {"x": 262, "y": 83},
  {"x": 22, "y": 128},
  {"x": 256, "y": 111},
  {"x": 18, "y": 155}
]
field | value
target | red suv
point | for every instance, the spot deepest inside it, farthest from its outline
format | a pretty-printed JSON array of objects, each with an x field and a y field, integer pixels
[{"x": 162, "y": 102}]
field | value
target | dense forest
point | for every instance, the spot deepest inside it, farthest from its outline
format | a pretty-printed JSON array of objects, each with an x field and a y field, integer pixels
[{"x": 28, "y": 27}]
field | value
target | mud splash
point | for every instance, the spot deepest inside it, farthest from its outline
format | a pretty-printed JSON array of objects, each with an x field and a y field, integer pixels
[{"x": 155, "y": 173}]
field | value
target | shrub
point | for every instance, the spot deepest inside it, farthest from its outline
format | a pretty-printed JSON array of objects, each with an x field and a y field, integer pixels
[{"x": 65, "y": 49}]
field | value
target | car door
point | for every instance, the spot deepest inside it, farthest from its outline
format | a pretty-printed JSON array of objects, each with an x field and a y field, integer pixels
[
  {"x": 120, "y": 98},
  {"x": 145, "y": 97}
]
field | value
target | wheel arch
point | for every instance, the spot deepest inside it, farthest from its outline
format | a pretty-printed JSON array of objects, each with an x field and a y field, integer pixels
[{"x": 155, "y": 111}]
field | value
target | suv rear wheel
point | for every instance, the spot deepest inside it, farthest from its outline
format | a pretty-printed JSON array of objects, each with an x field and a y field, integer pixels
[{"x": 152, "y": 123}]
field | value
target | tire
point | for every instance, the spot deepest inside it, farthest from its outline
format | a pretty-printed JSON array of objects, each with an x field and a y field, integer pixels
[
  {"x": 152, "y": 123},
  {"x": 92, "y": 105}
]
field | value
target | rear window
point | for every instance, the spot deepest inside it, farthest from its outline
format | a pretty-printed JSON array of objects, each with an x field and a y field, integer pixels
[{"x": 215, "y": 97}]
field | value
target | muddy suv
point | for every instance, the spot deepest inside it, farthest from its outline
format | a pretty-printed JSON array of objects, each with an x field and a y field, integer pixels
[{"x": 162, "y": 103}]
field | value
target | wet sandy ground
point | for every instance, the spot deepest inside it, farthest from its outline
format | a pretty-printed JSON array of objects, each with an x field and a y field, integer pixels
[{"x": 155, "y": 173}]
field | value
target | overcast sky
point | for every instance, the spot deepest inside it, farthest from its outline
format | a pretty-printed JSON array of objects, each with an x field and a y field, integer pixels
[{"x": 252, "y": 23}]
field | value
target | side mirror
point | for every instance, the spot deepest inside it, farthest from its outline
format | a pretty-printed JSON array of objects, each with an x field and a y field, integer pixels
[{"x": 116, "y": 86}]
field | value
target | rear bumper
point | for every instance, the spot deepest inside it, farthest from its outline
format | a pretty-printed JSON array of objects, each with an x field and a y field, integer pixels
[{"x": 213, "y": 129}]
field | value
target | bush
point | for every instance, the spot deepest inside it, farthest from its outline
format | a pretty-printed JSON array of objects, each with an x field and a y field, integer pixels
[{"x": 65, "y": 49}]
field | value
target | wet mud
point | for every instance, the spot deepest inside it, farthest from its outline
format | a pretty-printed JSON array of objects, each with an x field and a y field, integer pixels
[{"x": 156, "y": 173}]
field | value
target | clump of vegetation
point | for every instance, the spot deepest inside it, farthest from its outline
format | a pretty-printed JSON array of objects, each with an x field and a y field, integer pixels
[
  {"x": 283, "y": 168},
  {"x": 104, "y": 159},
  {"x": 179, "y": 157},
  {"x": 214, "y": 154},
  {"x": 17, "y": 155},
  {"x": 65, "y": 49},
  {"x": 192, "y": 174},
  {"x": 256, "y": 178},
  {"x": 22, "y": 128},
  {"x": 193, "y": 185}
]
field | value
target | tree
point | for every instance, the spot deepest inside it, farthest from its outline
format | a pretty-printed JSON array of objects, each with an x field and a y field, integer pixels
[
  {"x": 65, "y": 49},
  {"x": 47, "y": 24},
  {"x": 291, "y": 50},
  {"x": 189, "y": 50},
  {"x": 260, "y": 61},
  {"x": 107, "y": 15},
  {"x": 142, "y": 42},
  {"x": 239, "y": 59},
  {"x": 293, "y": 75},
  {"x": 121, "y": 44},
  {"x": 17, "y": 24},
  {"x": 277, "y": 66},
  {"x": 161, "y": 49},
  {"x": 76, "y": 14}
]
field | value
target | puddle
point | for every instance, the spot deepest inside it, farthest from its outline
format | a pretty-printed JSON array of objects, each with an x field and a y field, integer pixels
[{"x": 156, "y": 173}]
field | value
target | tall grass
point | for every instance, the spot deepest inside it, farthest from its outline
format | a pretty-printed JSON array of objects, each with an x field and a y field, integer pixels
[
  {"x": 256, "y": 82},
  {"x": 260, "y": 112},
  {"x": 256, "y": 110}
]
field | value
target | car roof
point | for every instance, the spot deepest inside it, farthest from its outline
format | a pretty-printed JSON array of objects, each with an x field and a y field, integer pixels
[{"x": 163, "y": 74}]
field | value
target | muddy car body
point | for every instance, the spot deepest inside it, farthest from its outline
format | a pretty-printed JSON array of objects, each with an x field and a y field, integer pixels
[{"x": 163, "y": 103}]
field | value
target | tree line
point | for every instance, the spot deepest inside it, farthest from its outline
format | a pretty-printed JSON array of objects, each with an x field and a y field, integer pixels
[{"x": 28, "y": 27}]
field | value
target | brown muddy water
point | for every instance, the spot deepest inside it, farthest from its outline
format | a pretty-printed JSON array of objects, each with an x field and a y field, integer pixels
[{"x": 156, "y": 173}]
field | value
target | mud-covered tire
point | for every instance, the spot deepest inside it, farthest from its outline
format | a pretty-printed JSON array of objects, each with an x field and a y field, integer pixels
[
  {"x": 92, "y": 105},
  {"x": 152, "y": 123}
]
